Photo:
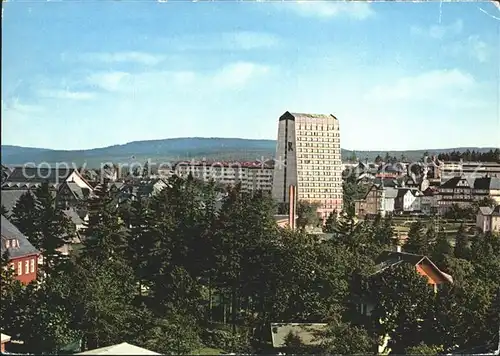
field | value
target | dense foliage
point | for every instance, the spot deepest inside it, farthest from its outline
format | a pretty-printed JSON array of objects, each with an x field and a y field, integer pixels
[
  {"x": 175, "y": 273},
  {"x": 490, "y": 156}
]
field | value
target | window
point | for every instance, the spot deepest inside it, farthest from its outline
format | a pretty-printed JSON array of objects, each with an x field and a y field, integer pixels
[
  {"x": 19, "y": 268},
  {"x": 32, "y": 265},
  {"x": 7, "y": 244},
  {"x": 26, "y": 267}
]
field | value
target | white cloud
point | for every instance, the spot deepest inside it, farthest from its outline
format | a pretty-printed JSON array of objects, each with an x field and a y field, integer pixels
[
  {"x": 110, "y": 81},
  {"x": 433, "y": 85},
  {"x": 472, "y": 47},
  {"x": 124, "y": 57},
  {"x": 229, "y": 41},
  {"x": 247, "y": 40},
  {"x": 439, "y": 31},
  {"x": 14, "y": 105},
  {"x": 66, "y": 94},
  {"x": 232, "y": 76},
  {"x": 327, "y": 9},
  {"x": 238, "y": 74}
]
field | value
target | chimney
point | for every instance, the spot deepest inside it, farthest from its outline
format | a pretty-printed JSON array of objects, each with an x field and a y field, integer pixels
[{"x": 292, "y": 208}]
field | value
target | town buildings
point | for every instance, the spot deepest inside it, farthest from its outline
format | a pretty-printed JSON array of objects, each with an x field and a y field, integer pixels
[
  {"x": 308, "y": 158},
  {"x": 450, "y": 169},
  {"x": 29, "y": 177},
  {"x": 408, "y": 200},
  {"x": 23, "y": 257},
  {"x": 253, "y": 175},
  {"x": 488, "y": 219},
  {"x": 464, "y": 190}
]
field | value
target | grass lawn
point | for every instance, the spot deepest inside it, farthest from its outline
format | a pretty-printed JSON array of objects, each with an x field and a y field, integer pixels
[{"x": 207, "y": 351}]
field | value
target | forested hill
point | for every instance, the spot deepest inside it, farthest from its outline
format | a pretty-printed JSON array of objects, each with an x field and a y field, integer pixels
[{"x": 185, "y": 148}]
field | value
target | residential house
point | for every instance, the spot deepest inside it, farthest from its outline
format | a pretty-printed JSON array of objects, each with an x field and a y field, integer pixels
[
  {"x": 120, "y": 349},
  {"x": 307, "y": 333},
  {"x": 488, "y": 219},
  {"x": 407, "y": 200},
  {"x": 450, "y": 169},
  {"x": 71, "y": 194},
  {"x": 23, "y": 256},
  {"x": 371, "y": 204},
  {"x": 409, "y": 181},
  {"x": 10, "y": 197},
  {"x": 389, "y": 200},
  {"x": 379, "y": 199},
  {"x": 458, "y": 191},
  {"x": 429, "y": 201},
  {"x": 32, "y": 177},
  {"x": 464, "y": 190},
  {"x": 363, "y": 171},
  {"x": 390, "y": 259},
  {"x": 486, "y": 187},
  {"x": 390, "y": 170},
  {"x": 423, "y": 266},
  {"x": 4, "y": 340}
]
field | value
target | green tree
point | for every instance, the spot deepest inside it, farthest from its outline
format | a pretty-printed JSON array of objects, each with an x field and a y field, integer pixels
[
  {"x": 142, "y": 245},
  {"x": 307, "y": 214},
  {"x": 294, "y": 344},
  {"x": 104, "y": 234},
  {"x": 175, "y": 334},
  {"x": 403, "y": 319},
  {"x": 417, "y": 239},
  {"x": 461, "y": 249},
  {"x": 441, "y": 250},
  {"x": 54, "y": 227},
  {"x": 343, "y": 338},
  {"x": 48, "y": 327},
  {"x": 423, "y": 349},
  {"x": 383, "y": 231},
  {"x": 102, "y": 291},
  {"x": 330, "y": 223},
  {"x": 25, "y": 216}
]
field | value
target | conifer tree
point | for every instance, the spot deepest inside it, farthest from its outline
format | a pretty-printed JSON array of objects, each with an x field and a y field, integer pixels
[
  {"x": 25, "y": 217},
  {"x": 104, "y": 233},
  {"x": 54, "y": 227},
  {"x": 142, "y": 244},
  {"x": 330, "y": 223},
  {"x": 417, "y": 239},
  {"x": 462, "y": 249},
  {"x": 441, "y": 250},
  {"x": 383, "y": 231}
]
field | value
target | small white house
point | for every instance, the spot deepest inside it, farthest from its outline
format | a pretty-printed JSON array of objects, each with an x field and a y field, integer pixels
[{"x": 408, "y": 200}]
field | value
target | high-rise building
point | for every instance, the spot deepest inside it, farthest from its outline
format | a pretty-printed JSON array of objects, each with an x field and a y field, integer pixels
[{"x": 308, "y": 157}]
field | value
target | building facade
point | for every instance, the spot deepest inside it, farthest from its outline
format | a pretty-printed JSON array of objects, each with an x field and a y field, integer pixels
[
  {"x": 308, "y": 157},
  {"x": 252, "y": 176},
  {"x": 448, "y": 170},
  {"x": 23, "y": 257},
  {"x": 488, "y": 219},
  {"x": 464, "y": 190}
]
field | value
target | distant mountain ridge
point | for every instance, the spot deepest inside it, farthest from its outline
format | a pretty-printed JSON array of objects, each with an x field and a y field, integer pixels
[{"x": 173, "y": 149}]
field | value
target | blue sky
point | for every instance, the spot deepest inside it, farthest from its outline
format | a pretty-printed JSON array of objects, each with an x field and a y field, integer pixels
[{"x": 397, "y": 75}]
